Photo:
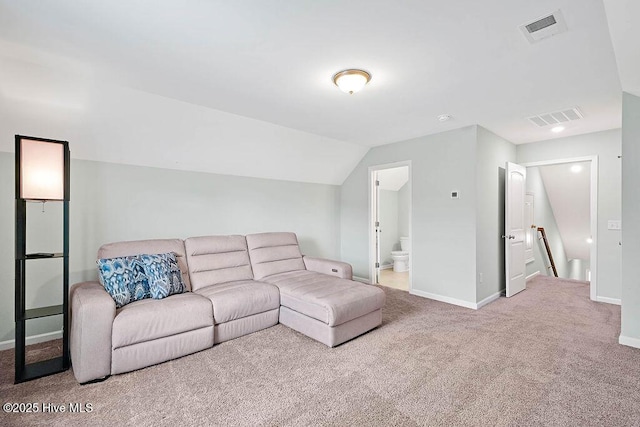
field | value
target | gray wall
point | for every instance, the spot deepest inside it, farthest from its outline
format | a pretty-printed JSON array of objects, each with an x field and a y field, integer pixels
[
  {"x": 493, "y": 153},
  {"x": 543, "y": 217},
  {"x": 389, "y": 225},
  {"x": 578, "y": 269},
  {"x": 607, "y": 146},
  {"x": 111, "y": 202},
  {"x": 443, "y": 229},
  {"x": 631, "y": 219},
  {"x": 403, "y": 210}
]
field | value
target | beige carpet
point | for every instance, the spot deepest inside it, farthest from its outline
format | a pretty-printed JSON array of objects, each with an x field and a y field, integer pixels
[{"x": 547, "y": 356}]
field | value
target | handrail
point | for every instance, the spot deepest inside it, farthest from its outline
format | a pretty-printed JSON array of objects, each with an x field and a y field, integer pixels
[{"x": 546, "y": 245}]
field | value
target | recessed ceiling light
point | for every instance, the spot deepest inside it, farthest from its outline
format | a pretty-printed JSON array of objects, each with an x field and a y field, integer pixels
[
  {"x": 444, "y": 117},
  {"x": 589, "y": 240},
  {"x": 576, "y": 168},
  {"x": 352, "y": 80},
  {"x": 557, "y": 129}
]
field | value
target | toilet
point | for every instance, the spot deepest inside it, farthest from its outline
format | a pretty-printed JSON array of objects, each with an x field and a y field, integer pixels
[{"x": 401, "y": 258}]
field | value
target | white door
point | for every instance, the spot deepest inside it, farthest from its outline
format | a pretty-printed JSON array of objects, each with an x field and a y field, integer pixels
[
  {"x": 515, "y": 228},
  {"x": 376, "y": 222},
  {"x": 530, "y": 230}
]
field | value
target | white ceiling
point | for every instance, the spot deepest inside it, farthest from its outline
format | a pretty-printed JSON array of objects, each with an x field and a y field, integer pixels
[
  {"x": 393, "y": 179},
  {"x": 273, "y": 61},
  {"x": 622, "y": 16},
  {"x": 569, "y": 194}
]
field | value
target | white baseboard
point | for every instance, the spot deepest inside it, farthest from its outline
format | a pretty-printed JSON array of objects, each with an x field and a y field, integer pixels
[
  {"x": 532, "y": 275},
  {"x": 489, "y": 299},
  {"x": 607, "y": 300},
  {"x": 443, "y": 298},
  {"x": 455, "y": 301},
  {"x": 386, "y": 267},
  {"x": 628, "y": 341},
  {"x": 362, "y": 279},
  {"x": 34, "y": 339}
]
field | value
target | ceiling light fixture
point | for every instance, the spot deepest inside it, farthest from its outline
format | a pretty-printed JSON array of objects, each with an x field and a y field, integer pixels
[
  {"x": 576, "y": 168},
  {"x": 352, "y": 80},
  {"x": 557, "y": 129}
]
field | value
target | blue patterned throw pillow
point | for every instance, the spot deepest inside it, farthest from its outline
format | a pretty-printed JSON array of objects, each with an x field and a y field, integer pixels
[
  {"x": 163, "y": 274},
  {"x": 132, "y": 278},
  {"x": 124, "y": 279}
]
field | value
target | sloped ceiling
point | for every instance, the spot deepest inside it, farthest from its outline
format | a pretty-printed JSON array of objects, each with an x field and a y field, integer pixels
[
  {"x": 569, "y": 194},
  {"x": 50, "y": 96},
  {"x": 251, "y": 80},
  {"x": 393, "y": 179},
  {"x": 623, "y": 16}
]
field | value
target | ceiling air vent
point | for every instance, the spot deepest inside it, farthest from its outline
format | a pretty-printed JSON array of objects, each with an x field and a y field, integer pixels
[
  {"x": 557, "y": 117},
  {"x": 543, "y": 27}
]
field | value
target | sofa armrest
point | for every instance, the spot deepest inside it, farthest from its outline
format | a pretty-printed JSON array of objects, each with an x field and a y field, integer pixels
[
  {"x": 92, "y": 314},
  {"x": 330, "y": 267}
]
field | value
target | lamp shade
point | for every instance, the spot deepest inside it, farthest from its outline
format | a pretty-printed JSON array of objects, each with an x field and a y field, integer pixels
[
  {"x": 42, "y": 171},
  {"x": 351, "y": 81}
]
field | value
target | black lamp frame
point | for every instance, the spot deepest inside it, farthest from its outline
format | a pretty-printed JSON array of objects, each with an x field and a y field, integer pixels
[{"x": 23, "y": 371}]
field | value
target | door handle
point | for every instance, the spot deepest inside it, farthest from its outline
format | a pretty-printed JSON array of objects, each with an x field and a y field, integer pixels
[{"x": 508, "y": 237}]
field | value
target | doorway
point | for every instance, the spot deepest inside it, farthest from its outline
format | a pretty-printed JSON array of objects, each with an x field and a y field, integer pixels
[
  {"x": 562, "y": 198},
  {"x": 390, "y": 254}
]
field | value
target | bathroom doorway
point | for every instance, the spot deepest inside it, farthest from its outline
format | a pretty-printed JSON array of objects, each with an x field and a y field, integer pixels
[{"x": 390, "y": 225}]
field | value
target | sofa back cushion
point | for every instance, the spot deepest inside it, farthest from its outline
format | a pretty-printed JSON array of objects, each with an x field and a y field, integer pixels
[
  {"x": 217, "y": 259},
  {"x": 274, "y": 253},
  {"x": 139, "y": 247}
]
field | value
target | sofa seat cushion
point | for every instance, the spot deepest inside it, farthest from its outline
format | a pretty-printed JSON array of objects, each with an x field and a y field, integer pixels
[
  {"x": 235, "y": 300},
  {"x": 150, "y": 319},
  {"x": 328, "y": 299}
]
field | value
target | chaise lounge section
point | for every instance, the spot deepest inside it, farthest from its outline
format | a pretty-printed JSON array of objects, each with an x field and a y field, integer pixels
[
  {"x": 235, "y": 285},
  {"x": 323, "y": 304}
]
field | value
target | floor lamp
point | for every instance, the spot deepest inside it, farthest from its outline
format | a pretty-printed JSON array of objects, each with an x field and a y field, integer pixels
[{"x": 42, "y": 174}]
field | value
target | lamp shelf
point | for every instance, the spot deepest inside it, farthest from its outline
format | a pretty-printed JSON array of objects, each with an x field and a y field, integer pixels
[
  {"x": 41, "y": 369},
  {"x": 34, "y": 313},
  {"x": 44, "y": 255}
]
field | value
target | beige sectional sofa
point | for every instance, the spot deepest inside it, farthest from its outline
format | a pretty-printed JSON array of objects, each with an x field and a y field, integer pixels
[{"x": 236, "y": 285}]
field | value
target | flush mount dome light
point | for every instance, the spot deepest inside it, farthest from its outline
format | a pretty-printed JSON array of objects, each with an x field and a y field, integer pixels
[{"x": 351, "y": 81}]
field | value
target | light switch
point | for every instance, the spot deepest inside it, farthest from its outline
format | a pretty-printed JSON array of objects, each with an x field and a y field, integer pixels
[{"x": 614, "y": 225}]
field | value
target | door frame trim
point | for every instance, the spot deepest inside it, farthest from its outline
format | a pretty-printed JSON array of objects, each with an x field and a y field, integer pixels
[
  {"x": 371, "y": 233},
  {"x": 593, "y": 261}
]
